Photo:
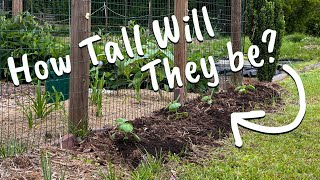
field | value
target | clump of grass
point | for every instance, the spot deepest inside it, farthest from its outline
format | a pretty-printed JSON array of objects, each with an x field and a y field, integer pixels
[
  {"x": 46, "y": 167},
  {"x": 150, "y": 167},
  {"x": 12, "y": 148}
]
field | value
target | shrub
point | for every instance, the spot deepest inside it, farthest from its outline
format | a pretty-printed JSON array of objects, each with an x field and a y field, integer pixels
[{"x": 263, "y": 15}]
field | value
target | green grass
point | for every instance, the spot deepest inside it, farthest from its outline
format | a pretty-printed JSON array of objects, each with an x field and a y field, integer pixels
[
  {"x": 296, "y": 47},
  {"x": 293, "y": 155},
  {"x": 300, "y": 47}
]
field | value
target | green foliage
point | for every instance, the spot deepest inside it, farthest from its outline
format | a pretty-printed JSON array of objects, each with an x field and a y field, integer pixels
[
  {"x": 39, "y": 105},
  {"x": 12, "y": 148},
  {"x": 174, "y": 106},
  {"x": 46, "y": 167},
  {"x": 209, "y": 99},
  {"x": 96, "y": 95},
  {"x": 245, "y": 89},
  {"x": 302, "y": 16},
  {"x": 125, "y": 127},
  {"x": 57, "y": 99},
  {"x": 263, "y": 15},
  {"x": 24, "y": 35}
]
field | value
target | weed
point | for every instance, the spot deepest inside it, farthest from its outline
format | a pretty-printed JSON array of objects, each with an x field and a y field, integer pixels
[{"x": 45, "y": 161}]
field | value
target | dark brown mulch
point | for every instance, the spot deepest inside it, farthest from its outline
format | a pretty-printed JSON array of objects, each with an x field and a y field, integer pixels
[{"x": 164, "y": 131}]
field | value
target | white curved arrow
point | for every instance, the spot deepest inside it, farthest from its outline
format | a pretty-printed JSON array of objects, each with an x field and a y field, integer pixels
[{"x": 239, "y": 118}]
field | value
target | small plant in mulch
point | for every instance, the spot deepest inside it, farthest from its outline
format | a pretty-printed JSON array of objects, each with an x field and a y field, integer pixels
[
  {"x": 245, "y": 89},
  {"x": 40, "y": 106},
  {"x": 173, "y": 107},
  {"x": 209, "y": 99},
  {"x": 125, "y": 128}
]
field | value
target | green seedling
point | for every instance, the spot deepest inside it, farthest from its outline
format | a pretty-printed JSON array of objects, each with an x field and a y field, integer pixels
[
  {"x": 245, "y": 89},
  {"x": 174, "y": 107},
  {"x": 209, "y": 99},
  {"x": 125, "y": 127},
  {"x": 96, "y": 95}
]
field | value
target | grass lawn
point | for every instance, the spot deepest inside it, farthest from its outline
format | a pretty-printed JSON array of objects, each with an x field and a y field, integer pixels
[{"x": 295, "y": 155}]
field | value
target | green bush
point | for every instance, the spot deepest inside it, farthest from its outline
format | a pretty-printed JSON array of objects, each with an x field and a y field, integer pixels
[
  {"x": 24, "y": 35},
  {"x": 263, "y": 15}
]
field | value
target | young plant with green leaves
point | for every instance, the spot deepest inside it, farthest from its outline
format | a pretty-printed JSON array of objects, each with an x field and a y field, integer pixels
[
  {"x": 57, "y": 99},
  {"x": 126, "y": 128},
  {"x": 96, "y": 94},
  {"x": 244, "y": 89},
  {"x": 39, "y": 106},
  {"x": 209, "y": 99},
  {"x": 173, "y": 107}
]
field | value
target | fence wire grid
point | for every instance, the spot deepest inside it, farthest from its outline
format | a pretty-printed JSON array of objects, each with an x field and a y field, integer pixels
[{"x": 36, "y": 113}]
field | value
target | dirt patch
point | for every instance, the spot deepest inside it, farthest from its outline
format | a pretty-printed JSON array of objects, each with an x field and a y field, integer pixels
[{"x": 164, "y": 131}]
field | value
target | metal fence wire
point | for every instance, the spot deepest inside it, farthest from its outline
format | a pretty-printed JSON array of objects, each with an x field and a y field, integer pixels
[{"x": 37, "y": 113}]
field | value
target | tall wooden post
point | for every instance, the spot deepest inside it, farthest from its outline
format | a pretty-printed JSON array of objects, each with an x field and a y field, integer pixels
[
  {"x": 169, "y": 8},
  {"x": 106, "y": 14},
  {"x": 125, "y": 13},
  {"x": 236, "y": 15},
  {"x": 150, "y": 17},
  {"x": 3, "y": 5},
  {"x": 180, "y": 49},
  {"x": 16, "y": 7},
  {"x": 80, "y": 64}
]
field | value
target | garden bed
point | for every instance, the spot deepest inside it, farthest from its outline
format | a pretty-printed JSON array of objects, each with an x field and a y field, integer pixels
[
  {"x": 164, "y": 132},
  {"x": 160, "y": 132}
]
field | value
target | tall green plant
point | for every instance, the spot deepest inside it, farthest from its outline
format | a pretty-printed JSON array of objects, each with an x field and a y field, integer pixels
[
  {"x": 263, "y": 15},
  {"x": 97, "y": 87}
]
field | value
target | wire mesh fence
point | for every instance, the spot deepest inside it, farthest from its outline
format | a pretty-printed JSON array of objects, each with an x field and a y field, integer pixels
[{"x": 37, "y": 113}]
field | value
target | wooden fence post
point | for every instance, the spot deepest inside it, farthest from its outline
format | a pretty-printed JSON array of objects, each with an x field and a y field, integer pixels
[
  {"x": 180, "y": 49},
  {"x": 16, "y": 7},
  {"x": 169, "y": 8},
  {"x": 236, "y": 15},
  {"x": 150, "y": 17},
  {"x": 80, "y": 64},
  {"x": 3, "y": 7},
  {"x": 106, "y": 14}
]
